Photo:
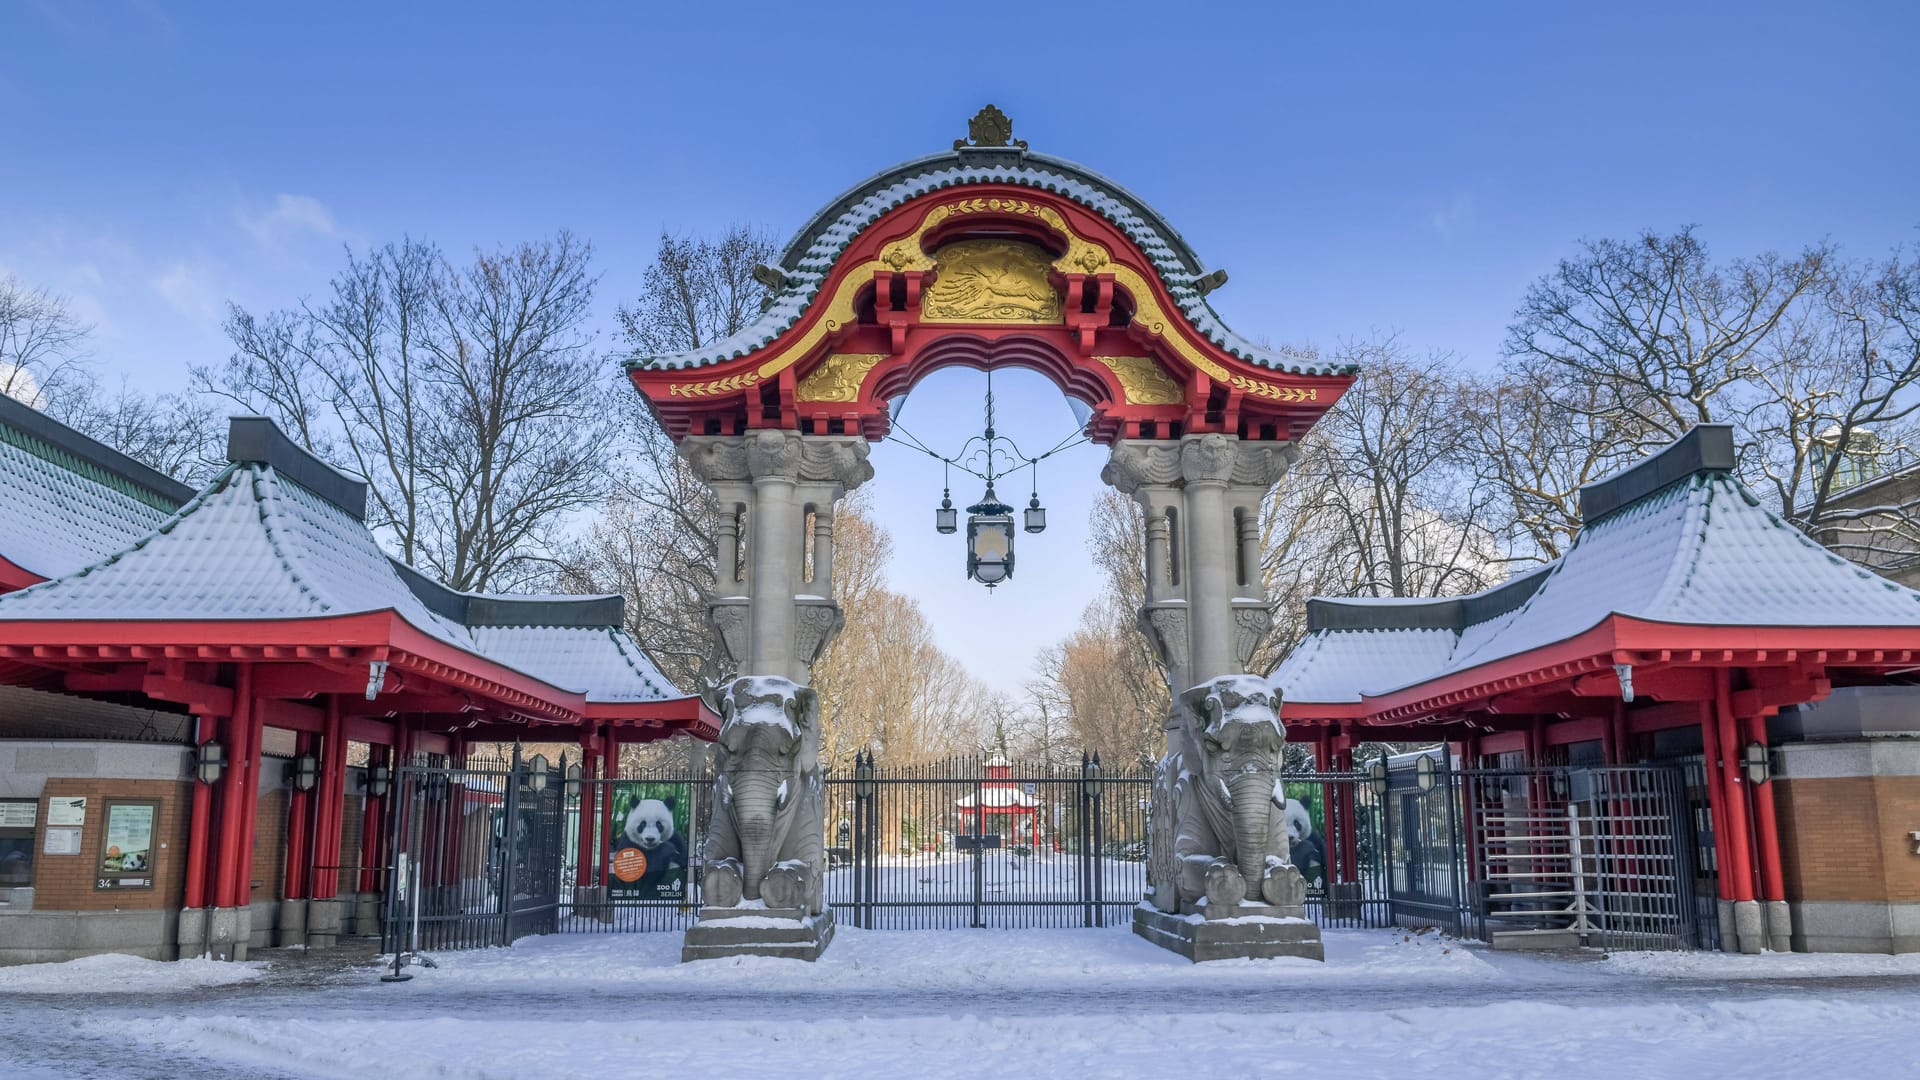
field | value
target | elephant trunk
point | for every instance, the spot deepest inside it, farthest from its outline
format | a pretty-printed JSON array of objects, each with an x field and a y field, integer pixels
[
  {"x": 1253, "y": 824},
  {"x": 755, "y": 813}
]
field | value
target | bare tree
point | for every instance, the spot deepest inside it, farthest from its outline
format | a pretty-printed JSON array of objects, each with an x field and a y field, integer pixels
[
  {"x": 469, "y": 398},
  {"x": 42, "y": 343},
  {"x": 181, "y": 435},
  {"x": 697, "y": 292}
]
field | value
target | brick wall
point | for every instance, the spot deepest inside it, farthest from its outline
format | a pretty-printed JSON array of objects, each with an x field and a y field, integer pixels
[
  {"x": 66, "y": 882},
  {"x": 270, "y": 845},
  {"x": 1845, "y": 838}
]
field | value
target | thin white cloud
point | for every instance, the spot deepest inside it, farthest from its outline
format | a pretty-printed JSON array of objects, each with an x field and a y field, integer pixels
[
  {"x": 1454, "y": 216},
  {"x": 290, "y": 216},
  {"x": 189, "y": 290}
]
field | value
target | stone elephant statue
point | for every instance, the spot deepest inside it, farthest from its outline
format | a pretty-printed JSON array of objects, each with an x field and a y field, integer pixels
[
  {"x": 768, "y": 800},
  {"x": 1219, "y": 833}
]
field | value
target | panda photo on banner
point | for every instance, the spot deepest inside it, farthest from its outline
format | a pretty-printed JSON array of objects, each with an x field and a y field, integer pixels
[{"x": 649, "y": 852}]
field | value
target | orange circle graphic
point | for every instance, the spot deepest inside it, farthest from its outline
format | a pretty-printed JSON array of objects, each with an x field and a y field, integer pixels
[{"x": 629, "y": 864}]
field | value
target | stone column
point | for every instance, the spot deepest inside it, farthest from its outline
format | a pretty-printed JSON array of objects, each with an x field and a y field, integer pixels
[
  {"x": 765, "y": 864},
  {"x": 1206, "y": 466}
]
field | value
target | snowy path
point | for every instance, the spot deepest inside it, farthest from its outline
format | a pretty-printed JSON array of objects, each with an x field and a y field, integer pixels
[{"x": 956, "y": 1003}]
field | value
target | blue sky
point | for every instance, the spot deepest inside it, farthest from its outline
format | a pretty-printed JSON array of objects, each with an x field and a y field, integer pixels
[{"x": 1354, "y": 167}]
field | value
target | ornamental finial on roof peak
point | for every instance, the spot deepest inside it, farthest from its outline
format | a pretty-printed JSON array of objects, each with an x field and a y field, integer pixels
[{"x": 989, "y": 127}]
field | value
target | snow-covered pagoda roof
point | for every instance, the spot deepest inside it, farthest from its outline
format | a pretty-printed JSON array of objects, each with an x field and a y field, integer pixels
[
  {"x": 70, "y": 501},
  {"x": 280, "y": 536},
  {"x": 1675, "y": 539},
  {"x": 810, "y": 256}
]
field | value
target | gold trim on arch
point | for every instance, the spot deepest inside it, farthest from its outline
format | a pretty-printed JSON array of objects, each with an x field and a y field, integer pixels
[
  {"x": 838, "y": 377},
  {"x": 1143, "y": 380}
]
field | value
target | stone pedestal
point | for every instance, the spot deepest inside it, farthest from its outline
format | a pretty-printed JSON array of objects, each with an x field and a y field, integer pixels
[
  {"x": 1253, "y": 930},
  {"x": 229, "y": 931},
  {"x": 366, "y": 914},
  {"x": 291, "y": 926},
  {"x": 323, "y": 922},
  {"x": 758, "y": 931},
  {"x": 1749, "y": 926},
  {"x": 1779, "y": 926},
  {"x": 191, "y": 939}
]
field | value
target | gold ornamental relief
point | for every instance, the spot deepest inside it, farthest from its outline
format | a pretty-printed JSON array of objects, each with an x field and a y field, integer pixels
[
  {"x": 1144, "y": 381},
  {"x": 991, "y": 281},
  {"x": 838, "y": 377}
]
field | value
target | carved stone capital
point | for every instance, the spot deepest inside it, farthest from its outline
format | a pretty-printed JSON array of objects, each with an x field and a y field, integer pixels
[
  {"x": 1251, "y": 625},
  {"x": 815, "y": 624},
  {"x": 729, "y": 617},
  {"x": 1166, "y": 629},
  {"x": 1213, "y": 458},
  {"x": 785, "y": 455}
]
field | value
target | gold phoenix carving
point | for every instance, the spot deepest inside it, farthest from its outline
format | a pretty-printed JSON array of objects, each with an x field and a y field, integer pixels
[
  {"x": 838, "y": 377},
  {"x": 1143, "y": 380},
  {"x": 991, "y": 281}
]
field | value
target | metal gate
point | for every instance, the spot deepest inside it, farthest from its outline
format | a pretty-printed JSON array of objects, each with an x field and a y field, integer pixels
[
  {"x": 972, "y": 843},
  {"x": 476, "y": 854},
  {"x": 1599, "y": 856},
  {"x": 660, "y": 811}
]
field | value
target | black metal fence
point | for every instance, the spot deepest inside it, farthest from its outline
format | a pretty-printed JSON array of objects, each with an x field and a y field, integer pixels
[
  {"x": 476, "y": 855},
  {"x": 993, "y": 843},
  {"x": 1609, "y": 856}
]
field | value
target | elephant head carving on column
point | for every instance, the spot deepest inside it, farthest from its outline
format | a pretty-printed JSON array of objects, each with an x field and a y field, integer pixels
[
  {"x": 1215, "y": 790},
  {"x": 765, "y": 842}
]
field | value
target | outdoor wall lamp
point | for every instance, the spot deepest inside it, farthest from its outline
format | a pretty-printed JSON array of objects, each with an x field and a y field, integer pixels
[
  {"x": 210, "y": 762},
  {"x": 573, "y": 780},
  {"x": 1423, "y": 772},
  {"x": 1759, "y": 766},
  {"x": 537, "y": 770},
  {"x": 863, "y": 784},
  {"x": 378, "y": 777},
  {"x": 1377, "y": 778},
  {"x": 303, "y": 772},
  {"x": 1090, "y": 774}
]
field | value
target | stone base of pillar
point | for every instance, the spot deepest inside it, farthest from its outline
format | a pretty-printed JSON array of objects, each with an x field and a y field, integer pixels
[
  {"x": 366, "y": 914},
  {"x": 1779, "y": 926},
  {"x": 323, "y": 922},
  {"x": 782, "y": 932},
  {"x": 191, "y": 938},
  {"x": 1256, "y": 930},
  {"x": 228, "y": 932},
  {"x": 1729, "y": 939},
  {"x": 1749, "y": 926},
  {"x": 590, "y": 902},
  {"x": 291, "y": 927}
]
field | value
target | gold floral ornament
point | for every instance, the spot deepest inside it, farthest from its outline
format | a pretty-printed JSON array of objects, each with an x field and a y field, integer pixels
[
  {"x": 1143, "y": 380},
  {"x": 989, "y": 127},
  {"x": 991, "y": 281},
  {"x": 838, "y": 377},
  {"x": 715, "y": 386}
]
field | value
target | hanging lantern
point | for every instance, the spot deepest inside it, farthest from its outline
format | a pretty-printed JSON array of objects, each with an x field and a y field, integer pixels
[
  {"x": 945, "y": 518},
  {"x": 990, "y": 540},
  {"x": 1036, "y": 516}
]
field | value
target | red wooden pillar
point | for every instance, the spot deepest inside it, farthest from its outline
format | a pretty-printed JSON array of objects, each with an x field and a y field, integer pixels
[
  {"x": 611, "y": 768},
  {"x": 1773, "y": 884},
  {"x": 1737, "y": 852},
  {"x": 332, "y": 804},
  {"x": 372, "y": 836},
  {"x": 1469, "y": 760},
  {"x": 299, "y": 840},
  {"x": 233, "y": 880},
  {"x": 588, "y": 816},
  {"x": 199, "y": 828},
  {"x": 1347, "y": 841},
  {"x": 1717, "y": 805}
]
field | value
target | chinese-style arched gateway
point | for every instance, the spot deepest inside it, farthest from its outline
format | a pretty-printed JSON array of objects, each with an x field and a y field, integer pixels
[
  {"x": 992, "y": 256},
  {"x": 228, "y": 719}
]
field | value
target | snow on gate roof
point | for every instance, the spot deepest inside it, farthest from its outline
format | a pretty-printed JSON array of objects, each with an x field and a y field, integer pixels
[
  {"x": 280, "y": 535},
  {"x": 1673, "y": 539}
]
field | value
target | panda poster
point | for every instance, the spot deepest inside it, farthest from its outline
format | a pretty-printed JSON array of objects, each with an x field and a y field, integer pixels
[
  {"x": 649, "y": 852},
  {"x": 1306, "y": 825}
]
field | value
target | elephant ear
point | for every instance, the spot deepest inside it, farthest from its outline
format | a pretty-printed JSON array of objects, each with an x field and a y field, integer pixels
[
  {"x": 806, "y": 701},
  {"x": 1194, "y": 702}
]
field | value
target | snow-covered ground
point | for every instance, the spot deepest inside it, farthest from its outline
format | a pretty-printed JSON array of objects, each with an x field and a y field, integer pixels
[{"x": 1048, "y": 1003}]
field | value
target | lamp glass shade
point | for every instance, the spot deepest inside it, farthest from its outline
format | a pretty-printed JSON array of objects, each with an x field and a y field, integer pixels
[
  {"x": 211, "y": 763},
  {"x": 990, "y": 548},
  {"x": 378, "y": 776},
  {"x": 1759, "y": 768},
  {"x": 537, "y": 770},
  {"x": 1377, "y": 773},
  {"x": 306, "y": 771},
  {"x": 1423, "y": 772},
  {"x": 1036, "y": 516},
  {"x": 946, "y": 519}
]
